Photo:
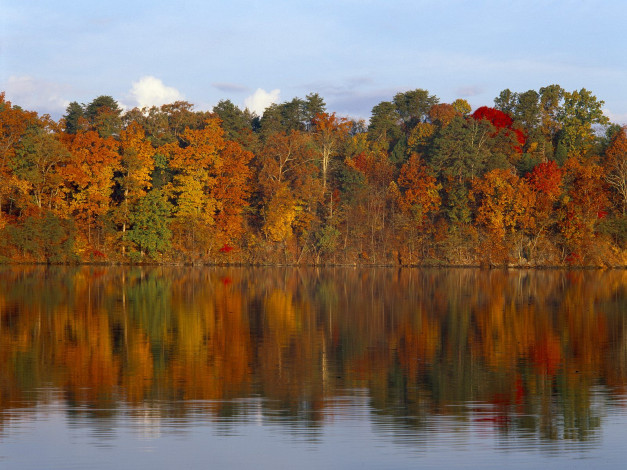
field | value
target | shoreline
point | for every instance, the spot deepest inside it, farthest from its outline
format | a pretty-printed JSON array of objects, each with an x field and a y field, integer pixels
[{"x": 330, "y": 265}]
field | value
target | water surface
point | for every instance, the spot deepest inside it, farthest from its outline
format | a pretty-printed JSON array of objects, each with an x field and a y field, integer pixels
[{"x": 342, "y": 368}]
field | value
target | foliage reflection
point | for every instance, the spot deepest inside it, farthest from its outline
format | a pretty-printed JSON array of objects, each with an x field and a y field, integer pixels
[{"x": 528, "y": 353}]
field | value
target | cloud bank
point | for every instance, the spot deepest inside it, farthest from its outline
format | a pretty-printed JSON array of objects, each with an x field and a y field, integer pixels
[
  {"x": 229, "y": 87},
  {"x": 616, "y": 117},
  {"x": 150, "y": 91},
  {"x": 261, "y": 99},
  {"x": 469, "y": 91},
  {"x": 32, "y": 93}
]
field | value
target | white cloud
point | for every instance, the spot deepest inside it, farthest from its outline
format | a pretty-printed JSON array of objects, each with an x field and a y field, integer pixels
[
  {"x": 616, "y": 117},
  {"x": 230, "y": 87},
  {"x": 261, "y": 99},
  {"x": 469, "y": 91},
  {"x": 33, "y": 94},
  {"x": 150, "y": 91}
]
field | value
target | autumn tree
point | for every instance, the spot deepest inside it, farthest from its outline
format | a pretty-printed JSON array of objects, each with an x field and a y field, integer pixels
[
  {"x": 153, "y": 121},
  {"x": 194, "y": 164},
  {"x": 165, "y": 124},
  {"x": 209, "y": 188},
  {"x": 506, "y": 138},
  {"x": 329, "y": 132},
  {"x": 37, "y": 159},
  {"x": 369, "y": 215},
  {"x": 616, "y": 165},
  {"x": 545, "y": 180},
  {"x": 421, "y": 138},
  {"x": 461, "y": 106},
  {"x": 419, "y": 189},
  {"x": 504, "y": 206},
  {"x": 587, "y": 204},
  {"x": 232, "y": 189},
  {"x": 13, "y": 124},
  {"x": 280, "y": 158},
  {"x": 279, "y": 215},
  {"x": 442, "y": 114},
  {"x": 419, "y": 198},
  {"x": 89, "y": 176},
  {"x": 136, "y": 166},
  {"x": 289, "y": 187}
]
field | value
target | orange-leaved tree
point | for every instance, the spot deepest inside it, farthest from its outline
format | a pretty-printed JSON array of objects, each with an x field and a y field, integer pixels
[
  {"x": 420, "y": 190},
  {"x": 584, "y": 207},
  {"x": 504, "y": 205},
  {"x": 369, "y": 212},
  {"x": 231, "y": 192},
  {"x": 419, "y": 197},
  {"x": 616, "y": 167},
  {"x": 546, "y": 182},
  {"x": 89, "y": 177}
]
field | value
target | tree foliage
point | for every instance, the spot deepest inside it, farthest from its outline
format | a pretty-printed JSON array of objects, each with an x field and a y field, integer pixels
[{"x": 537, "y": 179}]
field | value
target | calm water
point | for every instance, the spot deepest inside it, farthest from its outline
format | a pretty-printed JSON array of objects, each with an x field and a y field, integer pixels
[{"x": 299, "y": 368}]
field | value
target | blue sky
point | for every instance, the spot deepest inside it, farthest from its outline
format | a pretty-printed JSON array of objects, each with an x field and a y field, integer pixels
[{"x": 355, "y": 53}]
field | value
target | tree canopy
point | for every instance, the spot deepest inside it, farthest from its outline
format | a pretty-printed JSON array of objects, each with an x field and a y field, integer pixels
[{"x": 536, "y": 179}]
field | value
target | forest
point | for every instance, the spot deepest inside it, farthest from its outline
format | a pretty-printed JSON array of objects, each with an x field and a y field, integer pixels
[{"x": 537, "y": 179}]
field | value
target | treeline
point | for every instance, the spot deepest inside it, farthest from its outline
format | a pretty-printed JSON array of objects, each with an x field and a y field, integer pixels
[{"x": 538, "y": 179}]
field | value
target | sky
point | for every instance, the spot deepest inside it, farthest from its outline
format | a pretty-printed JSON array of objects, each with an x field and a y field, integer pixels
[{"x": 354, "y": 53}]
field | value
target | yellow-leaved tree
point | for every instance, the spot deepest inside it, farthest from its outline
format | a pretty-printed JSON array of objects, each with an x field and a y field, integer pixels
[
  {"x": 137, "y": 164},
  {"x": 210, "y": 187}
]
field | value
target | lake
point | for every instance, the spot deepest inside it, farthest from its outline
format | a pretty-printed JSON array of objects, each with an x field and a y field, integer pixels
[{"x": 155, "y": 367}]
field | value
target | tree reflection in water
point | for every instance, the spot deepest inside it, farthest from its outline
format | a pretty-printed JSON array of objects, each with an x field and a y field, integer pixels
[{"x": 531, "y": 354}]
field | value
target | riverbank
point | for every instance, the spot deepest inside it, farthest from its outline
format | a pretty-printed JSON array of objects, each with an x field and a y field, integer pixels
[{"x": 482, "y": 266}]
